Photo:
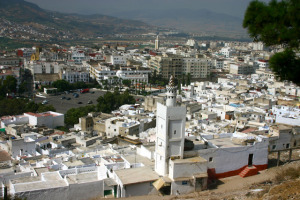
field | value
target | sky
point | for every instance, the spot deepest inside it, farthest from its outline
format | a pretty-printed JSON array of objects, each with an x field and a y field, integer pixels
[{"x": 110, "y": 7}]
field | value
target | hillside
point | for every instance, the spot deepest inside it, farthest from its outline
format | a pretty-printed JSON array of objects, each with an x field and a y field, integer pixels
[
  {"x": 23, "y": 20},
  {"x": 190, "y": 20}
]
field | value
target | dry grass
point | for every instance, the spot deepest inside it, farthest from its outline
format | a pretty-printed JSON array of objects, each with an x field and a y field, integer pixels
[{"x": 290, "y": 173}]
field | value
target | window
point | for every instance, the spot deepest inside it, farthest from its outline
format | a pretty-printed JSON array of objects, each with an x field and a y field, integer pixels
[
  {"x": 273, "y": 147},
  {"x": 210, "y": 159},
  {"x": 175, "y": 132},
  {"x": 184, "y": 182},
  {"x": 287, "y": 146}
]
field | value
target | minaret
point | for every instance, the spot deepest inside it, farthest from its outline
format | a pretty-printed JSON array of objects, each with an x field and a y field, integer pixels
[
  {"x": 156, "y": 43},
  {"x": 171, "y": 93},
  {"x": 170, "y": 131}
]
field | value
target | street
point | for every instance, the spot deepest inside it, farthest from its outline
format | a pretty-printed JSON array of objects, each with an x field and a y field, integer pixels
[{"x": 63, "y": 105}]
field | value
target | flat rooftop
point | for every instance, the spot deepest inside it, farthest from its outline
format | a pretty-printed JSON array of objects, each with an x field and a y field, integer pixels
[
  {"x": 223, "y": 143},
  {"x": 137, "y": 175},
  {"x": 132, "y": 158},
  {"x": 83, "y": 177},
  {"x": 49, "y": 180}
]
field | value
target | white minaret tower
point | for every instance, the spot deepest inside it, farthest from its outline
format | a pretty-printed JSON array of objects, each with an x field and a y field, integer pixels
[
  {"x": 156, "y": 43},
  {"x": 170, "y": 131},
  {"x": 171, "y": 93}
]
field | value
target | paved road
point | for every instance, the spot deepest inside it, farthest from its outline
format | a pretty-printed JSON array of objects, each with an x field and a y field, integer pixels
[{"x": 63, "y": 105}]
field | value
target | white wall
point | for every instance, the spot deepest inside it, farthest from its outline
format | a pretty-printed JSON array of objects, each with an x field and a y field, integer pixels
[
  {"x": 234, "y": 158},
  {"x": 178, "y": 170},
  {"x": 50, "y": 194},
  {"x": 177, "y": 187},
  {"x": 85, "y": 191},
  {"x": 143, "y": 151},
  {"x": 140, "y": 189},
  {"x": 18, "y": 144}
]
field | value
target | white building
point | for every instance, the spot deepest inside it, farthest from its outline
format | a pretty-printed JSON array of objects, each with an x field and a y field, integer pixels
[
  {"x": 134, "y": 75},
  {"x": 37, "y": 67},
  {"x": 263, "y": 63},
  {"x": 78, "y": 183},
  {"x": 78, "y": 56},
  {"x": 17, "y": 120},
  {"x": 192, "y": 44},
  {"x": 257, "y": 46},
  {"x": 49, "y": 119},
  {"x": 73, "y": 76},
  {"x": 118, "y": 60},
  {"x": 101, "y": 72},
  {"x": 135, "y": 181},
  {"x": 22, "y": 146},
  {"x": 292, "y": 90},
  {"x": 230, "y": 155},
  {"x": 226, "y": 51}
]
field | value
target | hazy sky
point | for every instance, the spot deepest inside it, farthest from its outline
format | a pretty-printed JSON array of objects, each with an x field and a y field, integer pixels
[{"x": 109, "y": 7}]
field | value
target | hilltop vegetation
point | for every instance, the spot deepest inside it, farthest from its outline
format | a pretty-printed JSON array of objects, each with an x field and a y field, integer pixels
[{"x": 23, "y": 20}]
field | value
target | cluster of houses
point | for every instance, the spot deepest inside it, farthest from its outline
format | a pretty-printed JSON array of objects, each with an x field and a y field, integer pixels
[
  {"x": 114, "y": 63},
  {"x": 177, "y": 142},
  {"x": 176, "y": 145}
]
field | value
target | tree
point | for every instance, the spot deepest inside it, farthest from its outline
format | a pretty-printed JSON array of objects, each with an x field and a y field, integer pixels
[
  {"x": 44, "y": 108},
  {"x": 179, "y": 87},
  {"x": 10, "y": 84},
  {"x": 183, "y": 80},
  {"x": 188, "y": 81},
  {"x": 79, "y": 85},
  {"x": 61, "y": 85},
  {"x": 72, "y": 116},
  {"x": 277, "y": 23},
  {"x": 286, "y": 65},
  {"x": 127, "y": 82},
  {"x": 111, "y": 101},
  {"x": 23, "y": 87}
]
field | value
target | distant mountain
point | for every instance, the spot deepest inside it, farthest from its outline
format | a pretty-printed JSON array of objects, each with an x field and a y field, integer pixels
[
  {"x": 39, "y": 23},
  {"x": 200, "y": 20}
]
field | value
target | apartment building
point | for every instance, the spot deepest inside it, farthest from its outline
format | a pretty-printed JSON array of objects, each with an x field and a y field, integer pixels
[
  {"x": 167, "y": 65},
  {"x": 197, "y": 67},
  {"x": 240, "y": 68}
]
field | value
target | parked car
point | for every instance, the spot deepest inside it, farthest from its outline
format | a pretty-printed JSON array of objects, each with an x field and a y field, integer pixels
[
  {"x": 90, "y": 102},
  {"x": 68, "y": 98},
  {"x": 45, "y": 102},
  {"x": 63, "y": 97},
  {"x": 84, "y": 90},
  {"x": 79, "y": 102}
]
